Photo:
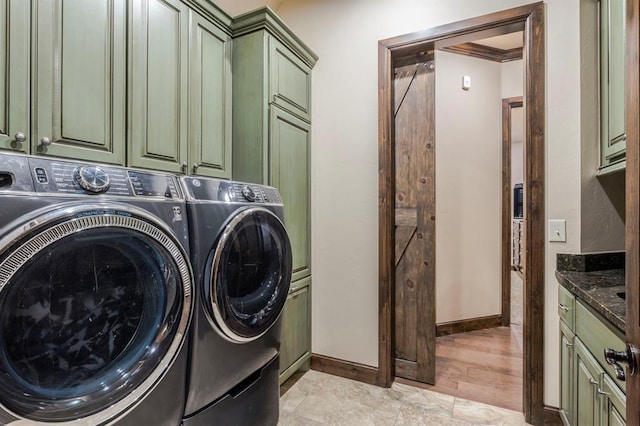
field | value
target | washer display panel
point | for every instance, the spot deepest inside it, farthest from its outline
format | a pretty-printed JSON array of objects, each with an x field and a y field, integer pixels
[
  {"x": 251, "y": 274},
  {"x": 89, "y": 309}
]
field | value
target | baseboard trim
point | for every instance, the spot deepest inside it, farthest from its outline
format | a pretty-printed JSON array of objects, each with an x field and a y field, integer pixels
[
  {"x": 551, "y": 416},
  {"x": 472, "y": 324},
  {"x": 347, "y": 369}
]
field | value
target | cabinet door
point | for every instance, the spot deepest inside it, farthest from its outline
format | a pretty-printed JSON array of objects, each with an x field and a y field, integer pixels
[
  {"x": 15, "y": 23},
  {"x": 290, "y": 149},
  {"x": 296, "y": 329},
  {"x": 290, "y": 80},
  {"x": 614, "y": 406},
  {"x": 587, "y": 382},
  {"x": 158, "y": 84},
  {"x": 566, "y": 374},
  {"x": 210, "y": 99},
  {"x": 612, "y": 45},
  {"x": 80, "y": 79}
]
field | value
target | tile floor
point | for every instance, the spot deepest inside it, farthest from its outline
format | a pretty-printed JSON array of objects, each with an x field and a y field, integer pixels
[{"x": 321, "y": 399}]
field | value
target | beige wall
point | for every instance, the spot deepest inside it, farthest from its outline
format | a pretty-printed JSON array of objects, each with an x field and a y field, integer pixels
[
  {"x": 468, "y": 188},
  {"x": 345, "y": 156}
]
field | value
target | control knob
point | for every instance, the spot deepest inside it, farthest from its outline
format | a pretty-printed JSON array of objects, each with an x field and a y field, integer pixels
[
  {"x": 248, "y": 193},
  {"x": 91, "y": 179}
]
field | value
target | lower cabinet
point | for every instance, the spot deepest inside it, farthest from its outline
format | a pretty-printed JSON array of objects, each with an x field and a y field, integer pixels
[
  {"x": 588, "y": 393},
  {"x": 295, "y": 351},
  {"x": 566, "y": 373}
]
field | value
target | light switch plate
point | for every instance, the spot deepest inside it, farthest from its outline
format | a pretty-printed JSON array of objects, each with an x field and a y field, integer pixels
[
  {"x": 558, "y": 230},
  {"x": 466, "y": 82}
]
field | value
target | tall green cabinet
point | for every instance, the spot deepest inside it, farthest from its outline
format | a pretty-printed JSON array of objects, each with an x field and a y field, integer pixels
[
  {"x": 272, "y": 145},
  {"x": 15, "y": 69}
]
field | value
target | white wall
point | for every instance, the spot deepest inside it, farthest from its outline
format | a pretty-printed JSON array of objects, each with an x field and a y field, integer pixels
[
  {"x": 512, "y": 79},
  {"x": 468, "y": 188}
]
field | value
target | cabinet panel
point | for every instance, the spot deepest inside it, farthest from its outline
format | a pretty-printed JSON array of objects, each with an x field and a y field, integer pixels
[
  {"x": 566, "y": 374},
  {"x": 290, "y": 80},
  {"x": 290, "y": 149},
  {"x": 587, "y": 407},
  {"x": 614, "y": 407},
  {"x": 14, "y": 74},
  {"x": 80, "y": 70},
  {"x": 210, "y": 101},
  {"x": 612, "y": 45},
  {"x": 158, "y": 84},
  {"x": 296, "y": 328}
]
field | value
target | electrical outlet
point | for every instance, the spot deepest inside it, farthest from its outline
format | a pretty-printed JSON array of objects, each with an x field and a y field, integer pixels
[{"x": 558, "y": 230}]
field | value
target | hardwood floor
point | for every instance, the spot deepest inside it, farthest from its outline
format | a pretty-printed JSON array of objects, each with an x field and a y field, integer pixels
[{"x": 483, "y": 366}]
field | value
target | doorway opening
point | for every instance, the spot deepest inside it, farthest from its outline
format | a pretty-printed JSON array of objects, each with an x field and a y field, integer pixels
[{"x": 407, "y": 219}]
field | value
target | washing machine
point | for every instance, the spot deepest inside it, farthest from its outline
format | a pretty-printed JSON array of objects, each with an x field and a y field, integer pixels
[
  {"x": 95, "y": 294},
  {"x": 241, "y": 260}
]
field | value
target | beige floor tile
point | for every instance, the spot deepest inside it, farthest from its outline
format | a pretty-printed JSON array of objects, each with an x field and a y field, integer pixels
[{"x": 321, "y": 399}]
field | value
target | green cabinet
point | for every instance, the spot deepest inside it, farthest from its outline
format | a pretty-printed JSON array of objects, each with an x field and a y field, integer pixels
[
  {"x": 14, "y": 74},
  {"x": 296, "y": 326},
  {"x": 588, "y": 393},
  {"x": 566, "y": 373},
  {"x": 210, "y": 99},
  {"x": 272, "y": 145},
  {"x": 290, "y": 173},
  {"x": 612, "y": 91},
  {"x": 158, "y": 82},
  {"x": 588, "y": 372},
  {"x": 79, "y": 87},
  {"x": 180, "y": 90}
]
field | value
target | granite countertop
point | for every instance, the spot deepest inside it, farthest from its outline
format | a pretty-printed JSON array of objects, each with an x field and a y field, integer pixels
[{"x": 599, "y": 290}]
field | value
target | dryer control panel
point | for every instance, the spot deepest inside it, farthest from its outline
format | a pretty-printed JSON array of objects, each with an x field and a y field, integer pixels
[{"x": 67, "y": 177}]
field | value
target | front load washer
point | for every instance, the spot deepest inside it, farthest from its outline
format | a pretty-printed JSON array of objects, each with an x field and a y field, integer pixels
[
  {"x": 95, "y": 294},
  {"x": 241, "y": 258}
]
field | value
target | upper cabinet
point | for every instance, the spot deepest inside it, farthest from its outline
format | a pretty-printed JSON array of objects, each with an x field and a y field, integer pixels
[
  {"x": 14, "y": 75},
  {"x": 210, "y": 51},
  {"x": 79, "y": 86},
  {"x": 159, "y": 84},
  {"x": 143, "y": 83},
  {"x": 612, "y": 93}
]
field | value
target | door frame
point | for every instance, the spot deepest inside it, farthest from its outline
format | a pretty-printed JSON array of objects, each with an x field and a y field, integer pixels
[
  {"x": 529, "y": 18},
  {"x": 508, "y": 104},
  {"x": 632, "y": 213}
]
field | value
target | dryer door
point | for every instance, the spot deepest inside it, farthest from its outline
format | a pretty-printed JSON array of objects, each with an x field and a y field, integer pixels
[
  {"x": 250, "y": 274},
  {"x": 94, "y": 305}
]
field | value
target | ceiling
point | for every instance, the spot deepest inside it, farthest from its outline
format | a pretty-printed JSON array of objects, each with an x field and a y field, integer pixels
[
  {"x": 504, "y": 42},
  {"x": 238, "y": 7}
]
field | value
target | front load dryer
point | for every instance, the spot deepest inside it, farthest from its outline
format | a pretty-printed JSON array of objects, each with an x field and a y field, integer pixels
[
  {"x": 95, "y": 294},
  {"x": 241, "y": 258}
]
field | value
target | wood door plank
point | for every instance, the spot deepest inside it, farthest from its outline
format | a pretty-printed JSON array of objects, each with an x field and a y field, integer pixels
[{"x": 403, "y": 236}]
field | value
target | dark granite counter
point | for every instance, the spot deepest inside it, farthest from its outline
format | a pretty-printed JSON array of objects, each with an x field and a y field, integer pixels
[{"x": 599, "y": 289}]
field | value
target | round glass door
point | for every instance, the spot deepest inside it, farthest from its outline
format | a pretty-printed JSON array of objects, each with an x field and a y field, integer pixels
[
  {"x": 92, "y": 307},
  {"x": 250, "y": 274}
]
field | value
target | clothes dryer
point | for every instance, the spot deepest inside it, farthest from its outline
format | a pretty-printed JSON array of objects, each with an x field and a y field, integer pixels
[
  {"x": 95, "y": 294},
  {"x": 241, "y": 258}
]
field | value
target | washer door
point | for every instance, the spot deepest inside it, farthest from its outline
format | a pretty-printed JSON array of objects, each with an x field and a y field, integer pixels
[
  {"x": 94, "y": 305},
  {"x": 250, "y": 274}
]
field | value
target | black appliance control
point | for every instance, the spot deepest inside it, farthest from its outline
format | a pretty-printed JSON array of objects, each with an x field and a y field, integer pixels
[
  {"x": 248, "y": 193},
  {"x": 91, "y": 179},
  {"x": 41, "y": 175}
]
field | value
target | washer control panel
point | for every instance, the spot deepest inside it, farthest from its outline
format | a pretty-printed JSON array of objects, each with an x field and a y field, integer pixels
[{"x": 66, "y": 177}]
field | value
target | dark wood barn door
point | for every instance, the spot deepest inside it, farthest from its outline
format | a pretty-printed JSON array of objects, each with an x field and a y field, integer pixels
[{"x": 415, "y": 221}]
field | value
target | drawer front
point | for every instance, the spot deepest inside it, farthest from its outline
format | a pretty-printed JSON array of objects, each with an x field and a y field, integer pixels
[
  {"x": 597, "y": 336},
  {"x": 566, "y": 307}
]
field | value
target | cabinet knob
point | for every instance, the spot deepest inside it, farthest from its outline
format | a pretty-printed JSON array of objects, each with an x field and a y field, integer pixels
[
  {"x": 45, "y": 141},
  {"x": 184, "y": 166},
  {"x": 563, "y": 308},
  {"x": 629, "y": 357},
  {"x": 195, "y": 167},
  {"x": 20, "y": 137}
]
